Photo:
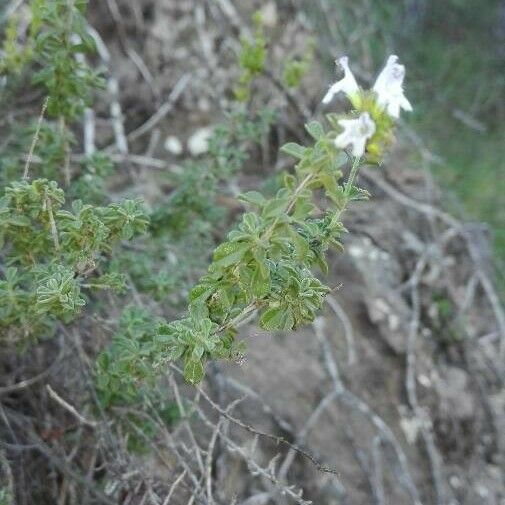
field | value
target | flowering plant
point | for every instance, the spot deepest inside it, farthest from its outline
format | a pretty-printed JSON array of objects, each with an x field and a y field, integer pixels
[{"x": 265, "y": 266}]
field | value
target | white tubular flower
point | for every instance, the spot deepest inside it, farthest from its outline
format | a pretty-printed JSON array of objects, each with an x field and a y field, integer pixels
[
  {"x": 347, "y": 84},
  {"x": 389, "y": 88},
  {"x": 356, "y": 133}
]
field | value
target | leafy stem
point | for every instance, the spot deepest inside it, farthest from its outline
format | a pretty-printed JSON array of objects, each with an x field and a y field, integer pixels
[
  {"x": 290, "y": 205},
  {"x": 240, "y": 318},
  {"x": 233, "y": 323},
  {"x": 352, "y": 175},
  {"x": 54, "y": 230},
  {"x": 66, "y": 151}
]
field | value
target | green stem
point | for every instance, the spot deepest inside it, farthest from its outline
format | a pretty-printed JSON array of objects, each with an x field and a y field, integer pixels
[
  {"x": 291, "y": 203},
  {"x": 52, "y": 223},
  {"x": 66, "y": 151},
  {"x": 35, "y": 139},
  {"x": 246, "y": 311},
  {"x": 352, "y": 176}
]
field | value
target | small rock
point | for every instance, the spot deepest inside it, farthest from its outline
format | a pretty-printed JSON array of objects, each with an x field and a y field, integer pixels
[
  {"x": 482, "y": 491},
  {"x": 456, "y": 400},
  {"x": 455, "y": 481},
  {"x": 203, "y": 104},
  {"x": 198, "y": 143},
  {"x": 424, "y": 380},
  {"x": 173, "y": 145},
  {"x": 410, "y": 427},
  {"x": 269, "y": 14},
  {"x": 356, "y": 251}
]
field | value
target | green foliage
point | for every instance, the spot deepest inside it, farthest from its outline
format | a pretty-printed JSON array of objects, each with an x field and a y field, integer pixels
[
  {"x": 295, "y": 68},
  {"x": 18, "y": 49},
  {"x": 251, "y": 58},
  {"x": 90, "y": 183},
  {"x": 196, "y": 185},
  {"x": 57, "y": 35},
  {"x": 58, "y": 293},
  {"x": 51, "y": 151},
  {"x": 166, "y": 264},
  {"x": 56, "y": 248},
  {"x": 63, "y": 35},
  {"x": 128, "y": 357},
  {"x": 264, "y": 266},
  {"x": 51, "y": 155},
  {"x": 14, "y": 55},
  {"x": 183, "y": 227},
  {"x": 295, "y": 299},
  {"x": 51, "y": 252},
  {"x": 58, "y": 39}
]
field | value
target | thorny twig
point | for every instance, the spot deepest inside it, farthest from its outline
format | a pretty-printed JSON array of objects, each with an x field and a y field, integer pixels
[
  {"x": 26, "y": 383},
  {"x": 70, "y": 408},
  {"x": 35, "y": 139},
  {"x": 160, "y": 114},
  {"x": 303, "y": 433},
  {"x": 254, "y": 467},
  {"x": 277, "y": 439}
]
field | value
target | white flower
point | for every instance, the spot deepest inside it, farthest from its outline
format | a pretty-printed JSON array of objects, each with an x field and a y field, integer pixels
[
  {"x": 356, "y": 132},
  {"x": 389, "y": 88},
  {"x": 347, "y": 84}
]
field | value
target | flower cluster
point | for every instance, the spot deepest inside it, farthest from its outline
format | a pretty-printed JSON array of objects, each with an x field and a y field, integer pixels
[{"x": 375, "y": 110}]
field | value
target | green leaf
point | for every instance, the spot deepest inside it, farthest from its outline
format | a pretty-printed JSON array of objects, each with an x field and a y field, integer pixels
[
  {"x": 260, "y": 283},
  {"x": 275, "y": 208},
  {"x": 198, "y": 310},
  {"x": 303, "y": 208},
  {"x": 193, "y": 371},
  {"x": 276, "y": 318},
  {"x": 228, "y": 254},
  {"x": 301, "y": 245},
  {"x": 253, "y": 197},
  {"x": 260, "y": 256},
  {"x": 337, "y": 195},
  {"x": 175, "y": 351},
  {"x": 19, "y": 221},
  {"x": 289, "y": 181},
  {"x": 294, "y": 149},
  {"x": 250, "y": 222},
  {"x": 356, "y": 193},
  {"x": 322, "y": 264},
  {"x": 197, "y": 353},
  {"x": 200, "y": 293},
  {"x": 315, "y": 130},
  {"x": 329, "y": 182}
]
